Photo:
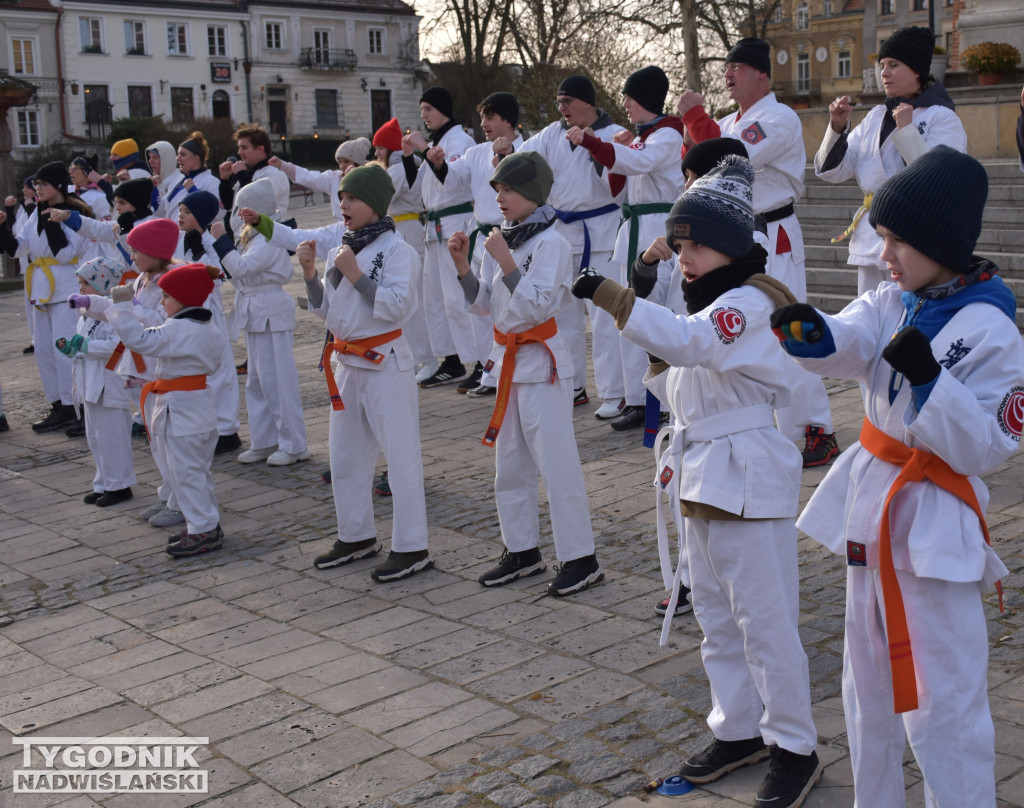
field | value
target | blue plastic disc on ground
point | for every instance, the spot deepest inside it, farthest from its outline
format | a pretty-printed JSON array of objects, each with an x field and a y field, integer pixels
[{"x": 675, "y": 786}]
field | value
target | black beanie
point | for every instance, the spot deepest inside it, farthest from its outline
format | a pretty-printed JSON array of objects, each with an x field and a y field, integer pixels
[
  {"x": 648, "y": 86},
  {"x": 935, "y": 205},
  {"x": 504, "y": 104},
  {"x": 56, "y": 174},
  {"x": 913, "y": 46},
  {"x": 136, "y": 193},
  {"x": 579, "y": 87},
  {"x": 717, "y": 210},
  {"x": 440, "y": 99},
  {"x": 704, "y": 156},
  {"x": 527, "y": 173},
  {"x": 87, "y": 164},
  {"x": 751, "y": 51}
]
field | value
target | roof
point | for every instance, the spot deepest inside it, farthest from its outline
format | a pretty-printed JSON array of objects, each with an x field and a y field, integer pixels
[
  {"x": 853, "y": 5},
  {"x": 380, "y": 6}
]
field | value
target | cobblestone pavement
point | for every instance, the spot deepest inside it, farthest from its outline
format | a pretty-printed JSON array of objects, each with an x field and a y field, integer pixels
[{"x": 321, "y": 688}]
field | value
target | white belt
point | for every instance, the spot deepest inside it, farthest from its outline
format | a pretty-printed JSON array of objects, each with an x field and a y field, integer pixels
[
  {"x": 670, "y": 462},
  {"x": 258, "y": 290}
]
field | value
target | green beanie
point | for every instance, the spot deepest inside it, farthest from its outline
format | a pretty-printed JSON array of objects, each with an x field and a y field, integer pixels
[
  {"x": 369, "y": 184},
  {"x": 526, "y": 173}
]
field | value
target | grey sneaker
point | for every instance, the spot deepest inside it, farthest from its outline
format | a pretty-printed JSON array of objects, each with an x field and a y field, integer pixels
[
  {"x": 166, "y": 518},
  {"x": 191, "y": 544},
  {"x": 153, "y": 510}
]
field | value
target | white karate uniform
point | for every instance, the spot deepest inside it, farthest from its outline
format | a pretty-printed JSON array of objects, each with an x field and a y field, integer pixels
[
  {"x": 97, "y": 202},
  {"x": 326, "y": 182},
  {"x": 202, "y": 180},
  {"x": 971, "y": 419},
  {"x": 537, "y": 433},
  {"x": 726, "y": 376}
]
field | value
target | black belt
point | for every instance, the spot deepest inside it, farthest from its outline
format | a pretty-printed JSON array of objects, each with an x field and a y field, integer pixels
[{"x": 779, "y": 213}]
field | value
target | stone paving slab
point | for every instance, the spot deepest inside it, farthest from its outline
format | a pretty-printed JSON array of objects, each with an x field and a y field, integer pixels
[{"x": 322, "y": 688}]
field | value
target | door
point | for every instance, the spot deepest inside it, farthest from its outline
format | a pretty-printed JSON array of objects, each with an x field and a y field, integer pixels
[{"x": 380, "y": 108}]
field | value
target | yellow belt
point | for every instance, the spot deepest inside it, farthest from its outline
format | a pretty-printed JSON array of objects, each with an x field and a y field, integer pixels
[
  {"x": 405, "y": 217},
  {"x": 864, "y": 208},
  {"x": 44, "y": 263}
]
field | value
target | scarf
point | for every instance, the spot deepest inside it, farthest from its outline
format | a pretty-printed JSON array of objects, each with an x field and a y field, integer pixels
[
  {"x": 435, "y": 136},
  {"x": 54, "y": 232},
  {"x": 359, "y": 239},
  {"x": 705, "y": 290},
  {"x": 194, "y": 244},
  {"x": 516, "y": 235}
]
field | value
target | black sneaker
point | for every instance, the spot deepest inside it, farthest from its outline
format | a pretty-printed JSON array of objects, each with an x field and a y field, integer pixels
[
  {"x": 789, "y": 780},
  {"x": 227, "y": 443},
  {"x": 631, "y": 417},
  {"x": 139, "y": 431},
  {"x": 242, "y": 369},
  {"x": 482, "y": 391},
  {"x": 31, "y": 349},
  {"x": 575, "y": 576},
  {"x": 579, "y": 396},
  {"x": 402, "y": 565},
  {"x": 61, "y": 416},
  {"x": 113, "y": 497},
  {"x": 722, "y": 757},
  {"x": 77, "y": 429},
  {"x": 683, "y": 604},
  {"x": 382, "y": 487},
  {"x": 512, "y": 566},
  {"x": 92, "y": 496},
  {"x": 819, "y": 448},
  {"x": 342, "y": 552},
  {"x": 472, "y": 381},
  {"x": 4, "y": 426},
  {"x": 190, "y": 544},
  {"x": 450, "y": 371}
]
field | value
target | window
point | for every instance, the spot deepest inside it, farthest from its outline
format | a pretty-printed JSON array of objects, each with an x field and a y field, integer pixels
[
  {"x": 843, "y": 64},
  {"x": 949, "y": 42},
  {"x": 28, "y": 129},
  {"x": 826, "y": 8},
  {"x": 91, "y": 33},
  {"x": 140, "y": 102},
  {"x": 134, "y": 37},
  {"x": 885, "y": 7},
  {"x": 920, "y": 5},
  {"x": 181, "y": 105},
  {"x": 221, "y": 104},
  {"x": 96, "y": 100},
  {"x": 375, "y": 47},
  {"x": 177, "y": 39},
  {"x": 777, "y": 14},
  {"x": 217, "y": 40},
  {"x": 803, "y": 17},
  {"x": 275, "y": 36},
  {"x": 23, "y": 60},
  {"x": 326, "y": 107},
  {"x": 803, "y": 73},
  {"x": 321, "y": 47}
]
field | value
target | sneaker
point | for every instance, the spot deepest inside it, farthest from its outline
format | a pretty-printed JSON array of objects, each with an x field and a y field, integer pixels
[
  {"x": 113, "y": 497},
  {"x": 166, "y": 518},
  {"x": 191, "y": 544},
  {"x": 482, "y": 391},
  {"x": 579, "y": 396},
  {"x": 790, "y": 778},
  {"x": 472, "y": 381},
  {"x": 446, "y": 374},
  {"x": 609, "y": 410},
  {"x": 575, "y": 576},
  {"x": 402, "y": 565},
  {"x": 342, "y": 552},
  {"x": 427, "y": 370},
  {"x": 243, "y": 368},
  {"x": 283, "y": 458},
  {"x": 153, "y": 510},
  {"x": 139, "y": 431},
  {"x": 819, "y": 448},
  {"x": 4, "y": 426},
  {"x": 325, "y": 476},
  {"x": 382, "y": 488},
  {"x": 31, "y": 349},
  {"x": 77, "y": 429},
  {"x": 721, "y": 757},
  {"x": 512, "y": 566},
  {"x": 91, "y": 497},
  {"x": 255, "y": 455},
  {"x": 683, "y": 604},
  {"x": 631, "y": 417},
  {"x": 60, "y": 416},
  {"x": 227, "y": 443}
]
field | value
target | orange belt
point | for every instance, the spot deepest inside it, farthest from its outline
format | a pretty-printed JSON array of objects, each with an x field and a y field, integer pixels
[
  {"x": 115, "y": 356},
  {"x": 539, "y": 333},
  {"x": 358, "y": 347},
  {"x": 184, "y": 383},
  {"x": 915, "y": 465}
]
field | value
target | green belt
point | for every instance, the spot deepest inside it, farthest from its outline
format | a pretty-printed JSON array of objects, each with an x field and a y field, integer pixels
[
  {"x": 632, "y": 214},
  {"x": 482, "y": 229},
  {"x": 435, "y": 216}
]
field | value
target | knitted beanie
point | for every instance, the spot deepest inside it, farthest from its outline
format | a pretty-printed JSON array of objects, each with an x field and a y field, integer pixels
[
  {"x": 369, "y": 184},
  {"x": 935, "y": 205},
  {"x": 751, "y": 51},
  {"x": 579, "y": 87},
  {"x": 718, "y": 209},
  {"x": 440, "y": 99},
  {"x": 355, "y": 151},
  {"x": 157, "y": 237},
  {"x": 102, "y": 273},
  {"x": 87, "y": 164},
  {"x": 136, "y": 193},
  {"x": 913, "y": 46},
  {"x": 389, "y": 136},
  {"x": 56, "y": 174},
  {"x": 259, "y": 196},
  {"x": 526, "y": 173},
  {"x": 124, "y": 153},
  {"x": 504, "y": 104},
  {"x": 203, "y": 205},
  {"x": 29, "y": 181},
  {"x": 189, "y": 284},
  {"x": 648, "y": 86},
  {"x": 704, "y": 156}
]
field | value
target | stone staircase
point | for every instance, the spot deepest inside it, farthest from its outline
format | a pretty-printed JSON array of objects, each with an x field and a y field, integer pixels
[{"x": 825, "y": 210}]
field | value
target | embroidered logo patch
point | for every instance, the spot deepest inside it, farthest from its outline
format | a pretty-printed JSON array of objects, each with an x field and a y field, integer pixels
[
  {"x": 680, "y": 231},
  {"x": 921, "y": 125},
  {"x": 753, "y": 134},
  {"x": 638, "y": 145},
  {"x": 728, "y": 323},
  {"x": 1011, "y": 413},
  {"x": 954, "y": 353},
  {"x": 856, "y": 554},
  {"x": 666, "y": 476},
  {"x": 488, "y": 366}
]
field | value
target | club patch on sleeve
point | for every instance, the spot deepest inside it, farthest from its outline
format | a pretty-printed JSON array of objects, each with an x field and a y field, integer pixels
[
  {"x": 1011, "y": 412},
  {"x": 856, "y": 554},
  {"x": 638, "y": 145},
  {"x": 728, "y": 323},
  {"x": 753, "y": 134}
]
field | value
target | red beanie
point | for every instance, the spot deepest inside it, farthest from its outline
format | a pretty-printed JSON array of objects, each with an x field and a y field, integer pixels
[
  {"x": 190, "y": 284},
  {"x": 157, "y": 237},
  {"x": 389, "y": 136}
]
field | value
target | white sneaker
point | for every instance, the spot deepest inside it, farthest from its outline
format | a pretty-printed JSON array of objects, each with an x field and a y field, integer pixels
[
  {"x": 428, "y": 370},
  {"x": 609, "y": 409},
  {"x": 255, "y": 455},
  {"x": 283, "y": 458}
]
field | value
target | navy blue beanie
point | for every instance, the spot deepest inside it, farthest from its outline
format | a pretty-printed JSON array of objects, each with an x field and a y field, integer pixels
[
  {"x": 717, "y": 210},
  {"x": 203, "y": 205}
]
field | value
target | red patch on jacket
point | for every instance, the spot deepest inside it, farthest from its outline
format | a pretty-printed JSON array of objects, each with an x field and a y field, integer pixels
[
  {"x": 753, "y": 134},
  {"x": 1011, "y": 413},
  {"x": 728, "y": 323}
]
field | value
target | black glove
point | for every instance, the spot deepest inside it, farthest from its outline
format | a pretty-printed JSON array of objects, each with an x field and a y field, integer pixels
[
  {"x": 797, "y": 321},
  {"x": 126, "y": 221},
  {"x": 643, "y": 278},
  {"x": 586, "y": 283},
  {"x": 910, "y": 353}
]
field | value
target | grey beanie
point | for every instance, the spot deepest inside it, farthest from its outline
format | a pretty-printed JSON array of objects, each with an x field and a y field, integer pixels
[
  {"x": 355, "y": 151},
  {"x": 259, "y": 196}
]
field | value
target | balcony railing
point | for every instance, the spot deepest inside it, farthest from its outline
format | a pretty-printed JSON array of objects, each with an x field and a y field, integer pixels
[{"x": 327, "y": 59}]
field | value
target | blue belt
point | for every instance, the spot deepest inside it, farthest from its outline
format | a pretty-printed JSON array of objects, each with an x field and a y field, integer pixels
[{"x": 570, "y": 216}]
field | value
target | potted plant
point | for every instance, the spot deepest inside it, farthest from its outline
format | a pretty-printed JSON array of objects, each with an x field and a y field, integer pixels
[{"x": 990, "y": 60}]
